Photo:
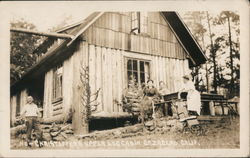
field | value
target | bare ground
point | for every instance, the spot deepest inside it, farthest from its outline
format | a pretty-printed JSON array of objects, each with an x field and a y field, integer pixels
[{"x": 218, "y": 135}]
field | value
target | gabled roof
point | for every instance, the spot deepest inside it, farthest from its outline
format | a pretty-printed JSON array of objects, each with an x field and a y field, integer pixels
[
  {"x": 61, "y": 49},
  {"x": 185, "y": 37}
]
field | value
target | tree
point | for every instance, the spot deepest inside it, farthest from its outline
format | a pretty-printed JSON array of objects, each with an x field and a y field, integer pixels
[
  {"x": 194, "y": 22},
  {"x": 22, "y": 47},
  {"x": 228, "y": 18},
  {"x": 212, "y": 55}
]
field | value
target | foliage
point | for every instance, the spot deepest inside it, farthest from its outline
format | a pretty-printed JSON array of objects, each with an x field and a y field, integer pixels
[
  {"x": 222, "y": 48},
  {"x": 231, "y": 21},
  {"x": 22, "y": 47},
  {"x": 88, "y": 100},
  {"x": 193, "y": 21}
]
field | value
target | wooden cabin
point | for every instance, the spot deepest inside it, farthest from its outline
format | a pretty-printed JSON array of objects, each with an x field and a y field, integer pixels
[{"x": 114, "y": 45}]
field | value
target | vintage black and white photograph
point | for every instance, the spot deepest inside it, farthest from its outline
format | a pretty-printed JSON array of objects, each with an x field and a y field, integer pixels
[{"x": 82, "y": 78}]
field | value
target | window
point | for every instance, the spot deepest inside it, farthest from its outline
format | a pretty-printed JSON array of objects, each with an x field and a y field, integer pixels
[
  {"x": 57, "y": 83},
  {"x": 135, "y": 22},
  {"x": 139, "y": 22},
  {"x": 137, "y": 71}
]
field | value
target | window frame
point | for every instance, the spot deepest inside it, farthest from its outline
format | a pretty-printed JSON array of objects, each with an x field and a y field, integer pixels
[
  {"x": 126, "y": 59},
  {"x": 135, "y": 22},
  {"x": 139, "y": 22},
  {"x": 55, "y": 79}
]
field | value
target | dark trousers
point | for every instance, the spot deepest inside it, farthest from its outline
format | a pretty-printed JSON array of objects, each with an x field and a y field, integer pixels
[{"x": 32, "y": 123}]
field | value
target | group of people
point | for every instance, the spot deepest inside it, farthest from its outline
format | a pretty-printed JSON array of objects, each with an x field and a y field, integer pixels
[{"x": 152, "y": 95}]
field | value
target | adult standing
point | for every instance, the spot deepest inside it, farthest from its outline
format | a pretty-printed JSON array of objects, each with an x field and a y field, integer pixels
[
  {"x": 193, "y": 96},
  {"x": 30, "y": 113},
  {"x": 150, "y": 94}
]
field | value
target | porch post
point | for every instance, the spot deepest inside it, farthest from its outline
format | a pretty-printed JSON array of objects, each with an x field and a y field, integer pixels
[{"x": 79, "y": 124}]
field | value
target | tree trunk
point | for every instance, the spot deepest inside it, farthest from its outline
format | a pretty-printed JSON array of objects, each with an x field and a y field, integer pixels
[
  {"x": 231, "y": 90},
  {"x": 204, "y": 48},
  {"x": 207, "y": 79},
  {"x": 213, "y": 55}
]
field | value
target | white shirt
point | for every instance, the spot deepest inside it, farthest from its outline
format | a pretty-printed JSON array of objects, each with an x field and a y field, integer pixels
[{"x": 30, "y": 110}]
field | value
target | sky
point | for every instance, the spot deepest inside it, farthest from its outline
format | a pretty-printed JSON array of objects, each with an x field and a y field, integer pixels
[{"x": 48, "y": 14}]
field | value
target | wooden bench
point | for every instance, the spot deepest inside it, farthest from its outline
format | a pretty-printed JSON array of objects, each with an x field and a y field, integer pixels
[{"x": 208, "y": 103}]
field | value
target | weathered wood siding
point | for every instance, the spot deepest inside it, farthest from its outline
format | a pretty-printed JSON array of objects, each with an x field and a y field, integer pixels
[
  {"x": 113, "y": 30},
  {"x": 108, "y": 72},
  {"x": 23, "y": 98},
  {"x": 14, "y": 104},
  {"x": 48, "y": 82},
  {"x": 105, "y": 70},
  {"x": 67, "y": 87},
  {"x": 164, "y": 69},
  {"x": 108, "y": 43},
  {"x": 79, "y": 58},
  {"x": 13, "y": 109},
  {"x": 58, "y": 110}
]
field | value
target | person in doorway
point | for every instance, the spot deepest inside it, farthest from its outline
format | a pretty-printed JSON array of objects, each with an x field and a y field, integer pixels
[
  {"x": 193, "y": 96},
  {"x": 30, "y": 113}
]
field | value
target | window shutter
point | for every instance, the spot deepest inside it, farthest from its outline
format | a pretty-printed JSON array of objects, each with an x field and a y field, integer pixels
[{"x": 135, "y": 22}]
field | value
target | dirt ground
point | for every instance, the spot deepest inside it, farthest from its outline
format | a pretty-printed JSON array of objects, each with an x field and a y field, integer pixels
[{"x": 218, "y": 135}]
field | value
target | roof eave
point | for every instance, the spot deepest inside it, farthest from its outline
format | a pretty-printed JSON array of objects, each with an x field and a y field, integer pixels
[
  {"x": 65, "y": 44},
  {"x": 185, "y": 37}
]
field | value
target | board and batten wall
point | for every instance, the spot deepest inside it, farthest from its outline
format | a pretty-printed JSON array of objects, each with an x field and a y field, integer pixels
[
  {"x": 107, "y": 71},
  {"x": 107, "y": 43},
  {"x": 59, "y": 110},
  {"x": 113, "y": 30}
]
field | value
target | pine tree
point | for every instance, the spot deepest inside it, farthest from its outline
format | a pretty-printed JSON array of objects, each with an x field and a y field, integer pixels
[{"x": 228, "y": 19}]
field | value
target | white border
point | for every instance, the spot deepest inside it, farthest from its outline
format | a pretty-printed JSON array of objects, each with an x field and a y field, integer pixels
[{"x": 241, "y": 6}]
